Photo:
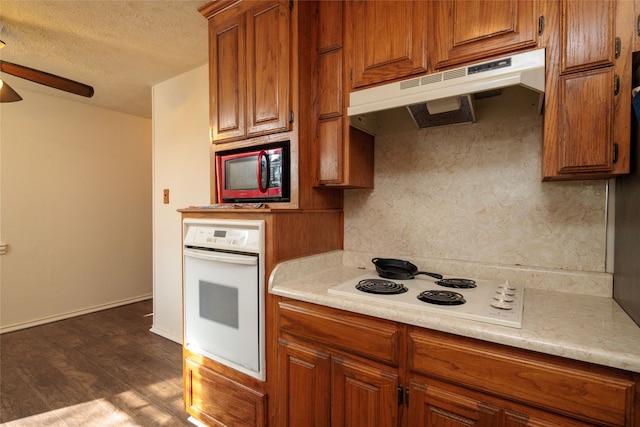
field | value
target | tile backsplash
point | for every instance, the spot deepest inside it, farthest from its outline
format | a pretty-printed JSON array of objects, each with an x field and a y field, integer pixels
[{"x": 473, "y": 193}]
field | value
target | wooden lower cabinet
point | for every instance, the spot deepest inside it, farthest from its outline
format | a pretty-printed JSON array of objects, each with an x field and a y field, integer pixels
[
  {"x": 363, "y": 395},
  {"x": 337, "y": 368},
  {"x": 210, "y": 395},
  {"x": 304, "y": 392},
  {"x": 321, "y": 389},
  {"x": 431, "y": 405},
  {"x": 585, "y": 392},
  {"x": 436, "y": 403}
]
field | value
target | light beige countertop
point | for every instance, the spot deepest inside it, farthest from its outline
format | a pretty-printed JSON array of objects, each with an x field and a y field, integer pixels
[{"x": 576, "y": 326}]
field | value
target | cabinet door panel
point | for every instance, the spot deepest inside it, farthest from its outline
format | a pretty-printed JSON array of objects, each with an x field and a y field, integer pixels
[
  {"x": 304, "y": 391},
  {"x": 463, "y": 31},
  {"x": 330, "y": 84},
  {"x": 227, "y": 79},
  {"x": 268, "y": 68},
  {"x": 330, "y": 148},
  {"x": 588, "y": 31},
  {"x": 362, "y": 396},
  {"x": 586, "y": 116},
  {"x": 330, "y": 14},
  {"x": 388, "y": 40},
  {"x": 209, "y": 395}
]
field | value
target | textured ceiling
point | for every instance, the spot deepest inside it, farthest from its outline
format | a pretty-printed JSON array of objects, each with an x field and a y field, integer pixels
[{"x": 121, "y": 48}]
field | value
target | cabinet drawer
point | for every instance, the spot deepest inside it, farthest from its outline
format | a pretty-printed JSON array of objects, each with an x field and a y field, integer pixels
[
  {"x": 372, "y": 338},
  {"x": 588, "y": 392},
  {"x": 209, "y": 396}
]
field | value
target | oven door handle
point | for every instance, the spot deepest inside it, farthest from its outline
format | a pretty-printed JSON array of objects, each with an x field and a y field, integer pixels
[{"x": 221, "y": 257}]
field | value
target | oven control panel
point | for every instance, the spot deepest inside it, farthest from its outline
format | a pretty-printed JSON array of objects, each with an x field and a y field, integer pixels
[
  {"x": 218, "y": 236},
  {"x": 245, "y": 237}
]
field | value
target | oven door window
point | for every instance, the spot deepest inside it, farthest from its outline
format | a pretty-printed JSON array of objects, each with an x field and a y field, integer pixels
[
  {"x": 219, "y": 303},
  {"x": 222, "y": 308}
]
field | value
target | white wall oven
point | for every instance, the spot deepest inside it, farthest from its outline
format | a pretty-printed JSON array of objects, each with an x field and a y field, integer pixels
[{"x": 224, "y": 292}]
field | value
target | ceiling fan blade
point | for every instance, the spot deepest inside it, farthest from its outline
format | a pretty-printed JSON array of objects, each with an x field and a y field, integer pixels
[
  {"x": 46, "y": 79},
  {"x": 7, "y": 94}
]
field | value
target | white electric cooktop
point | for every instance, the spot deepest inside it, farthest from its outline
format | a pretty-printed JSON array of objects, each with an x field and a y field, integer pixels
[{"x": 496, "y": 302}]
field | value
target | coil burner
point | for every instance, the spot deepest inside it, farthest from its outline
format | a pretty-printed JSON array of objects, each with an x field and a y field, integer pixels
[
  {"x": 442, "y": 297},
  {"x": 457, "y": 283},
  {"x": 381, "y": 287}
]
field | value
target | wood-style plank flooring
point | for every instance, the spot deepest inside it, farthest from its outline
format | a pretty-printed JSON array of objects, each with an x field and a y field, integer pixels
[{"x": 100, "y": 369}]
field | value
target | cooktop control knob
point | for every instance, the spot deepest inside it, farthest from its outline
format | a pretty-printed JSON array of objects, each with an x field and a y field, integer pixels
[
  {"x": 501, "y": 304},
  {"x": 502, "y": 297},
  {"x": 505, "y": 291},
  {"x": 507, "y": 286}
]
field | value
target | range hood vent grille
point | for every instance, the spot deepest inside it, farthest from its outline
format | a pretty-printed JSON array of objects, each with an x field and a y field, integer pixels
[{"x": 454, "y": 74}]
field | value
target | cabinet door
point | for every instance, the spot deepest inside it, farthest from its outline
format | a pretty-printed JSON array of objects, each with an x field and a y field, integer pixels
[
  {"x": 304, "y": 386},
  {"x": 430, "y": 405},
  {"x": 587, "y": 30},
  {"x": 387, "y": 40},
  {"x": 268, "y": 45},
  {"x": 362, "y": 395},
  {"x": 227, "y": 78},
  {"x": 463, "y": 31},
  {"x": 584, "y": 139}
]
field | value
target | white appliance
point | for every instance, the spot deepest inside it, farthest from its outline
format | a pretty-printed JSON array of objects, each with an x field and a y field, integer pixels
[
  {"x": 444, "y": 98},
  {"x": 224, "y": 292},
  {"x": 499, "y": 303}
]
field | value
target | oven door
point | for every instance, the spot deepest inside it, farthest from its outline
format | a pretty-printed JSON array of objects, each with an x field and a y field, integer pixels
[{"x": 223, "y": 307}]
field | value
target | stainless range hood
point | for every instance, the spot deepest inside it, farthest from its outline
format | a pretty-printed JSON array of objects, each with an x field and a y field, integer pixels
[{"x": 447, "y": 97}]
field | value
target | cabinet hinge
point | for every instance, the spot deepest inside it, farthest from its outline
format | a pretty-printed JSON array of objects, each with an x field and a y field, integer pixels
[
  {"x": 618, "y": 47},
  {"x": 290, "y": 4},
  {"x": 400, "y": 394},
  {"x": 638, "y": 25},
  {"x": 615, "y": 152},
  {"x": 290, "y": 116},
  {"x": 351, "y": 75},
  {"x": 616, "y": 84},
  {"x": 540, "y": 25}
]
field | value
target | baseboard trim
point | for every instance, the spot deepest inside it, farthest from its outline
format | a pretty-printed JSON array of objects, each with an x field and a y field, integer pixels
[
  {"x": 166, "y": 334},
  {"x": 75, "y": 313}
]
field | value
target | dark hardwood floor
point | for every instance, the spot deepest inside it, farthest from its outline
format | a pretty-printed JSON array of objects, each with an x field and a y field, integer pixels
[{"x": 100, "y": 369}]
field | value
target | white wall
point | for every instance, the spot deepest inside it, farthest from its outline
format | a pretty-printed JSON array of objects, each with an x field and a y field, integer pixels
[
  {"x": 180, "y": 164},
  {"x": 75, "y": 209}
]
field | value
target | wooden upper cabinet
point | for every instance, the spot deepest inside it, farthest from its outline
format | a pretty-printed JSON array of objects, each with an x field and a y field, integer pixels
[
  {"x": 386, "y": 40},
  {"x": 227, "y": 78},
  {"x": 330, "y": 21},
  {"x": 250, "y": 70},
  {"x": 584, "y": 135},
  {"x": 344, "y": 154},
  {"x": 588, "y": 90},
  {"x": 268, "y": 67},
  {"x": 587, "y": 30},
  {"x": 471, "y": 30}
]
